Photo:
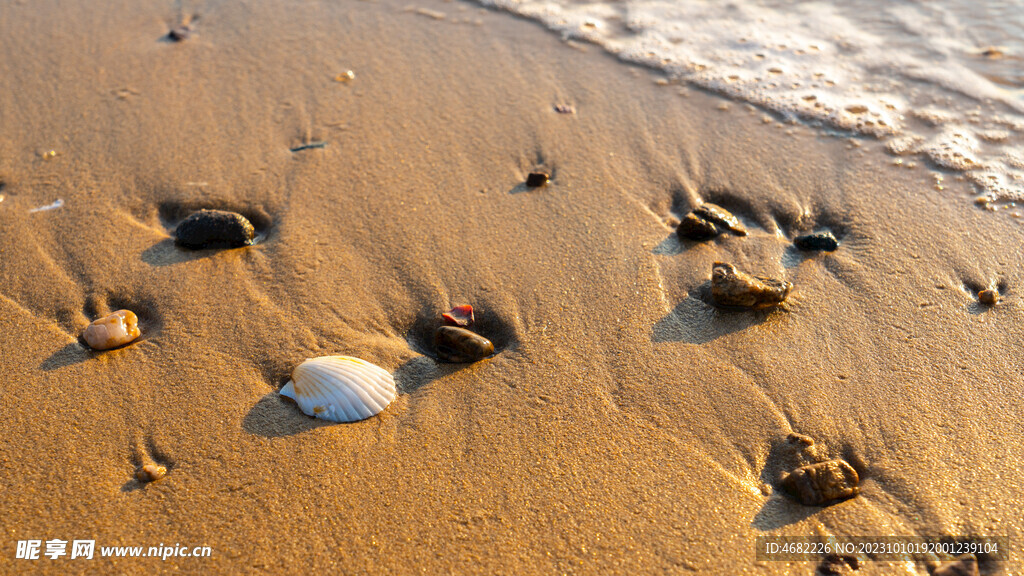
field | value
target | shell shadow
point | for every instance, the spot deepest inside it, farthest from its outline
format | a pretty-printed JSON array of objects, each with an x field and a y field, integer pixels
[
  {"x": 419, "y": 371},
  {"x": 68, "y": 355},
  {"x": 784, "y": 454},
  {"x": 697, "y": 321},
  {"x": 132, "y": 485},
  {"x": 273, "y": 417}
]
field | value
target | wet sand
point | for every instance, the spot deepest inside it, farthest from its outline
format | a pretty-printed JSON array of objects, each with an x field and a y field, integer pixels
[{"x": 624, "y": 427}]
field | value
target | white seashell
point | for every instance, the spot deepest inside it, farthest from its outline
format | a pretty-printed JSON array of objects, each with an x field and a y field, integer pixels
[{"x": 340, "y": 388}]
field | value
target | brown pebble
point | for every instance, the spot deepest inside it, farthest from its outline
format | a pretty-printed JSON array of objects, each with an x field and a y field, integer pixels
[
  {"x": 966, "y": 565},
  {"x": 732, "y": 288},
  {"x": 537, "y": 179},
  {"x": 988, "y": 297},
  {"x": 822, "y": 483},
  {"x": 707, "y": 221},
  {"x": 454, "y": 344},
  {"x": 150, "y": 473}
]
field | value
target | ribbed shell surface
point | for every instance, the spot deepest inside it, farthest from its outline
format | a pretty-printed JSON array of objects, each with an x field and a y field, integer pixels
[{"x": 340, "y": 388}]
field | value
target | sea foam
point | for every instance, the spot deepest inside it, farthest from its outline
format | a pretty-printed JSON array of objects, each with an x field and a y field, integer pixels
[{"x": 943, "y": 79}]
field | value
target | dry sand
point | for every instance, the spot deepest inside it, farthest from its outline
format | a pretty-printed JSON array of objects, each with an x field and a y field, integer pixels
[{"x": 624, "y": 428}]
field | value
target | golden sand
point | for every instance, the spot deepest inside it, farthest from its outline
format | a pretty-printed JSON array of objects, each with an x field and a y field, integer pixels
[{"x": 624, "y": 427}]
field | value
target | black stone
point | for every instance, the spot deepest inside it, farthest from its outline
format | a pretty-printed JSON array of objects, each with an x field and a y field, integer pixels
[
  {"x": 817, "y": 241},
  {"x": 693, "y": 227},
  {"x": 536, "y": 179},
  {"x": 180, "y": 34},
  {"x": 214, "y": 229},
  {"x": 707, "y": 221}
]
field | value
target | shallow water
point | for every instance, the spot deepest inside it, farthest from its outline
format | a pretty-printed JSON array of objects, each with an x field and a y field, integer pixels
[{"x": 939, "y": 79}]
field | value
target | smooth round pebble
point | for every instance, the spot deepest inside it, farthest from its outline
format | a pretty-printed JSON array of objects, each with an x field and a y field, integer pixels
[
  {"x": 113, "y": 330},
  {"x": 214, "y": 229},
  {"x": 454, "y": 344}
]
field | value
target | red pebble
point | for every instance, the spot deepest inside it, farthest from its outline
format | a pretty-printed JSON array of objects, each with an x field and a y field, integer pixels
[{"x": 459, "y": 316}]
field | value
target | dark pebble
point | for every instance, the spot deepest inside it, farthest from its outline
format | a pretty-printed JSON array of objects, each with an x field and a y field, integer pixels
[
  {"x": 693, "y": 227},
  {"x": 707, "y": 221},
  {"x": 537, "y": 179},
  {"x": 180, "y": 34},
  {"x": 214, "y": 229},
  {"x": 817, "y": 241},
  {"x": 454, "y": 344},
  {"x": 822, "y": 483}
]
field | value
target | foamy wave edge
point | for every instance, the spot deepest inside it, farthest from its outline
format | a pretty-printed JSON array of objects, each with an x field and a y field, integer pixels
[{"x": 851, "y": 80}]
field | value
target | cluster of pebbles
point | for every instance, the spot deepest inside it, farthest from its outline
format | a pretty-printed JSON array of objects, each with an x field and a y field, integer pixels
[
  {"x": 347, "y": 389},
  {"x": 730, "y": 287},
  {"x": 333, "y": 388}
]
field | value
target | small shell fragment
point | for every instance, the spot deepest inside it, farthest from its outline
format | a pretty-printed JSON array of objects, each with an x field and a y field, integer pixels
[
  {"x": 340, "y": 388},
  {"x": 707, "y": 221},
  {"x": 459, "y": 316},
  {"x": 730, "y": 287},
  {"x": 214, "y": 229},
  {"x": 113, "y": 330},
  {"x": 150, "y": 473},
  {"x": 454, "y": 344},
  {"x": 822, "y": 483}
]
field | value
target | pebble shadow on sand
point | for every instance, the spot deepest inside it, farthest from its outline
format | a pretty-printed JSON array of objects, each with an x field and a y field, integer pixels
[{"x": 70, "y": 354}]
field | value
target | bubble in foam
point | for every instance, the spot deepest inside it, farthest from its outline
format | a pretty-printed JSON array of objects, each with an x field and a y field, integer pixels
[
  {"x": 904, "y": 145},
  {"x": 954, "y": 149}
]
